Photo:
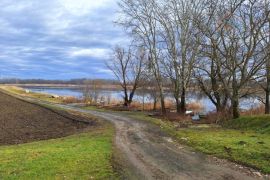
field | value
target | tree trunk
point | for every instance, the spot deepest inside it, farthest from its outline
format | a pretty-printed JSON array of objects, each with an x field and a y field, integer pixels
[
  {"x": 218, "y": 102},
  {"x": 267, "y": 101},
  {"x": 221, "y": 104},
  {"x": 218, "y": 107},
  {"x": 183, "y": 102},
  {"x": 267, "y": 89},
  {"x": 178, "y": 105},
  {"x": 126, "y": 101},
  {"x": 131, "y": 97},
  {"x": 155, "y": 104},
  {"x": 162, "y": 101},
  {"x": 235, "y": 104}
]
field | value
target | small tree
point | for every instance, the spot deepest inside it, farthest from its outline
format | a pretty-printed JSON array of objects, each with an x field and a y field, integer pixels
[
  {"x": 91, "y": 91},
  {"x": 127, "y": 66}
]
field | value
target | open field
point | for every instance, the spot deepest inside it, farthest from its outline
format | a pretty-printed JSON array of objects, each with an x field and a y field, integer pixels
[
  {"x": 23, "y": 122},
  {"x": 42, "y": 143}
]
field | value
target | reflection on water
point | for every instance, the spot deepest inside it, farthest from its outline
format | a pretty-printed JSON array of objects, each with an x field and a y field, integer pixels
[{"x": 140, "y": 96}]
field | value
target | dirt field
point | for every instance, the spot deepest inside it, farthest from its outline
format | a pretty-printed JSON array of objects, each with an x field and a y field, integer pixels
[{"x": 22, "y": 122}]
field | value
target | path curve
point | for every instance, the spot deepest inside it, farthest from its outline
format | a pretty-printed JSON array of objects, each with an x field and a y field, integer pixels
[{"x": 154, "y": 155}]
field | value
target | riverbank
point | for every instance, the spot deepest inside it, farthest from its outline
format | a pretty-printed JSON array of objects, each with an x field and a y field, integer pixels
[{"x": 107, "y": 87}]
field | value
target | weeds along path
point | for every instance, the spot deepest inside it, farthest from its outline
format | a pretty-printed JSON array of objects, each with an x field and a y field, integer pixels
[{"x": 151, "y": 154}]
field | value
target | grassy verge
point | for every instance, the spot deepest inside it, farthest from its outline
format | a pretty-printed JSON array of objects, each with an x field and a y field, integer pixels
[
  {"x": 22, "y": 92},
  {"x": 260, "y": 124},
  {"x": 82, "y": 156},
  {"x": 246, "y": 144}
]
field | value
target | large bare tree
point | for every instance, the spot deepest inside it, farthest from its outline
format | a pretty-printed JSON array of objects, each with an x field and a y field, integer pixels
[
  {"x": 231, "y": 54},
  {"x": 208, "y": 71},
  {"x": 181, "y": 44},
  {"x": 239, "y": 46},
  {"x": 264, "y": 77}
]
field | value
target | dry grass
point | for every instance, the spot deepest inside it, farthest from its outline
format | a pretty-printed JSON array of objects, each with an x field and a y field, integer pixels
[
  {"x": 70, "y": 100},
  {"x": 195, "y": 107},
  {"x": 217, "y": 117},
  {"x": 254, "y": 111}
]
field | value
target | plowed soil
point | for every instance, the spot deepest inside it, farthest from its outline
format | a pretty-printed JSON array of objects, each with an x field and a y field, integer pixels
[{"x": 22, "y": 122}]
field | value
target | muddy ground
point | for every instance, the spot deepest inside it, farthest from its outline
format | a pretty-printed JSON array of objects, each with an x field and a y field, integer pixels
[{"x": 22, "y": 122}]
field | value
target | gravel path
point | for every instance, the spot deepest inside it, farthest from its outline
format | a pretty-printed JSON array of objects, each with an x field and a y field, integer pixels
[{"x": 154, "y": 155}]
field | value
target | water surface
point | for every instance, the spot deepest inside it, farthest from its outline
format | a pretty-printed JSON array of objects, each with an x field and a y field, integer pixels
[{"x": 118, "y": 95}]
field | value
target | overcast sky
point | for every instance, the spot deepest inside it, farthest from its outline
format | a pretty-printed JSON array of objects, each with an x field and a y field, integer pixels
[{"x": 57, "y": 39}]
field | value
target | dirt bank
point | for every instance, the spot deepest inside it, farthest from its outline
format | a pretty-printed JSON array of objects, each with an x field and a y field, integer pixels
[{"x": 22, "y": 122}]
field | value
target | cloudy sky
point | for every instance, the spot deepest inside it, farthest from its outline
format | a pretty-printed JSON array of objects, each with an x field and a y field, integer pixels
[{"x": 57, "y": 39}]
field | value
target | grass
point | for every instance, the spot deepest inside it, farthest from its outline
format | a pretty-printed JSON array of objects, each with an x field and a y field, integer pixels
[
  {"x": 259, "y": 124},
  {"x": 82, "y": 156},
  {"x": 22, "y": 92},
  {"x": 247, "y": 144}
]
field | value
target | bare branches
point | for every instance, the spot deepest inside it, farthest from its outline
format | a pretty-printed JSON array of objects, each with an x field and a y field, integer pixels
[
  {"x": 222, "y": 43},
  {"x": 128, "y": 67}
]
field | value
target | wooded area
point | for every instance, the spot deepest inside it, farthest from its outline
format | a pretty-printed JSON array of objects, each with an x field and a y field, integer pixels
[{"x": 222, "y": 45}]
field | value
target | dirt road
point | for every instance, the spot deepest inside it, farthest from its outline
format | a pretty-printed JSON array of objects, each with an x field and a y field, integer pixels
[
  {"x": 151, "y": 154},
  {"x": 154, "y": 155}
]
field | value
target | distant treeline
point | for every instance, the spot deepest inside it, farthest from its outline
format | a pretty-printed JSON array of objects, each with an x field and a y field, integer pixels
[{"x": 43, "y": 81}]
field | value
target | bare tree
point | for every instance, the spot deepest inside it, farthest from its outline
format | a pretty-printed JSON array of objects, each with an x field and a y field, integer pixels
[
  {"x": 264, "y": 77},
  {"x": 228, "y": 39},
  {"x": 208, "y": 71},
  {"x": 239, "y": 46},
  {"x": 91, "y": 91},
  {"x": 231, "y": 50},
  {"x": 181, "y": 44},
  {"x": 127, "y": 68},
  {"x": 138, "y": 17}
]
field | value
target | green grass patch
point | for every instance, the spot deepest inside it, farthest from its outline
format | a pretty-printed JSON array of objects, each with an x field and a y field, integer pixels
[
  {"x": 245, "y": 146},
  {"x": 249, "y": 148},
  {"x": 82, "y": 156},
  {"x": 259, "y": 124}
]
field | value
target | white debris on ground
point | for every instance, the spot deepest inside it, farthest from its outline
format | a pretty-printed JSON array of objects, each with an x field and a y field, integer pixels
[
  {"x": 184, "y": 139},
  {"x": 168, "y": 139},
  {"x": 189, "y": 112}
]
